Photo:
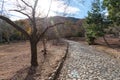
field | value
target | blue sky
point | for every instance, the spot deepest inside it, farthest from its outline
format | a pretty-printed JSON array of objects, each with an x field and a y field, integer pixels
[
  {"x": 76, "y": 8},
  {"x": 83, "y": 5}
]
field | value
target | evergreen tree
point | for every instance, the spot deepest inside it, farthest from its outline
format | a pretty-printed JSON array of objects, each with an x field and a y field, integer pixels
[
  {"x": 96, "y": 22},
  {"x": 113, "y": 7}
]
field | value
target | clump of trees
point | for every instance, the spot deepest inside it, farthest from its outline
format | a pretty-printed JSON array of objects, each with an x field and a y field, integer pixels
[
  {"x": 96, "y": 22},
  {"x": 5, "y": 32},
  {"x": 8, "y": 33},
  {"x": 113, "y": 7},
  {"x": 74, "y": 28}
]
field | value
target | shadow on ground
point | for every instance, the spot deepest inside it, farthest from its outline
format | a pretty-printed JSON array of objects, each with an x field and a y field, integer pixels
[{"x": 28, "y": 73}]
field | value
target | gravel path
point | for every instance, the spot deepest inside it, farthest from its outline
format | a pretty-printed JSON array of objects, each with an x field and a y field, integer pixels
[{"x": 86, "y": 63}]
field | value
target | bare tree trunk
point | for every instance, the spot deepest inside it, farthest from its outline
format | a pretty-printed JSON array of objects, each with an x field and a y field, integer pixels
[
  {"x": 44, "y": 46},
  {"x": 106, "y": 41},
  {"x": 7, "y": 38},
  {"x": 0, "y": 37},
  {"x": 34, "y": 61}
]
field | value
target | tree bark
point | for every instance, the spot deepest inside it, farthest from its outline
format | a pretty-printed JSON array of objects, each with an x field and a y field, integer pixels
[
  {"x": 106, "y": 41},
  {"x": 44, "y": 46},
  {"x": 91, "y": 41},
  {"x": 34, "y": 61},
  {"x": 0, "y": 37}
]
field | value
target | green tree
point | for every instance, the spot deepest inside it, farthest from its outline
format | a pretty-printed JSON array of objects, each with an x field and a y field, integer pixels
[
  {"x": 96, "y": 22},
  {"x": 113, "y": 7}
]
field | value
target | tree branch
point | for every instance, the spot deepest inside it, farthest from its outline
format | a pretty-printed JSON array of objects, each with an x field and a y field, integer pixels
[
  {"x": 15, "y": 26},
  {"x": 35, "y": 5},
  {"x": 42, "y": 34},
  {"x": 23, "y": 14},
  {"x": 49, "y": 9},
  {"x": 33, "y": 18},
  {"x": 2, "y": 7},
  {"x": 27, "y": 4}
]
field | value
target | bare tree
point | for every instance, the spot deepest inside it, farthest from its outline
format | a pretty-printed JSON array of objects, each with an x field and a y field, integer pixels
[{"x": 35, "y": 34}]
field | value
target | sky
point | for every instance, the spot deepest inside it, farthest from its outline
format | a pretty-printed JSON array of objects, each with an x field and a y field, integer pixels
[{"x": 75, "y": 8}]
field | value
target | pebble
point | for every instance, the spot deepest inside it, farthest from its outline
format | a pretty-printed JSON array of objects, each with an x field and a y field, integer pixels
[{"x": 86, "y": 63}]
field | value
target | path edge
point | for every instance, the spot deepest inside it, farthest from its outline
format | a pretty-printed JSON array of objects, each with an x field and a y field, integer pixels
[{"x": 59, "y": 67}]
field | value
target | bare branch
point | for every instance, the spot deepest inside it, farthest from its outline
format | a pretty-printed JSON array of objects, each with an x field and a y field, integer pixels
[
  {"x": 42, "y": 34},
  {"x": 49, "y": 8},
  {"x": 2, "y": 7},
  {"x": 15, "y": 26},
  {"x": 18, "y": 4},
  {"x": 27, "y": 4},
  {"x": 33, "y": 18},
  {"x": 34, "y": 8},
  {"x": 23, "y": 14},
  {"x": 35, "y": 5}
]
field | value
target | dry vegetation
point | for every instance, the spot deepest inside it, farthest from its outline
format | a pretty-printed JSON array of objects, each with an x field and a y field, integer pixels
[
  {"x": 113, "y": 50},
  {"x": 15, "y": 61}
]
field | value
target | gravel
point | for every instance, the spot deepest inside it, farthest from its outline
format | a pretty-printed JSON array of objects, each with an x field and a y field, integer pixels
[{"x": 86, "y": 63}]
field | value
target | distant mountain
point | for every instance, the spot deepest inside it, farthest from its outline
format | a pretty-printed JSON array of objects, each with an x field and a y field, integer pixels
[
  {"x": 72, "y": 26},
  {"x": 72, "y": 19},
  {"x": 64, "y": 18}
]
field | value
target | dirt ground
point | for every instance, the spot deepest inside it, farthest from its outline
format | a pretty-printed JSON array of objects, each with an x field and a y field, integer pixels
[
  {"x": 15, "y": 61},
  {"x": 114, "y": 50}
]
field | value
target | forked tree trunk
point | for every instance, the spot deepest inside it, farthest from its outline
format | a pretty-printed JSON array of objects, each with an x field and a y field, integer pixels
[{"x": 34, "y": 61}]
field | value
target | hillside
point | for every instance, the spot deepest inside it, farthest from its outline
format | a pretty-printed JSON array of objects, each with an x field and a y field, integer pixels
[{"x": 72, "y": 26}]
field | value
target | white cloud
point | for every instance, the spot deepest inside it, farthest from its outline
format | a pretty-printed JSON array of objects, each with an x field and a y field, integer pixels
[
  {"x": 43, "y": 7},
  {"x": 60, "y": 7}
]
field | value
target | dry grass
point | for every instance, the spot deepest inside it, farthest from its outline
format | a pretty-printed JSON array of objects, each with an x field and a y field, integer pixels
[
  {"x": 113, "y": 52},
  {"x": 15, "y": 60}
]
